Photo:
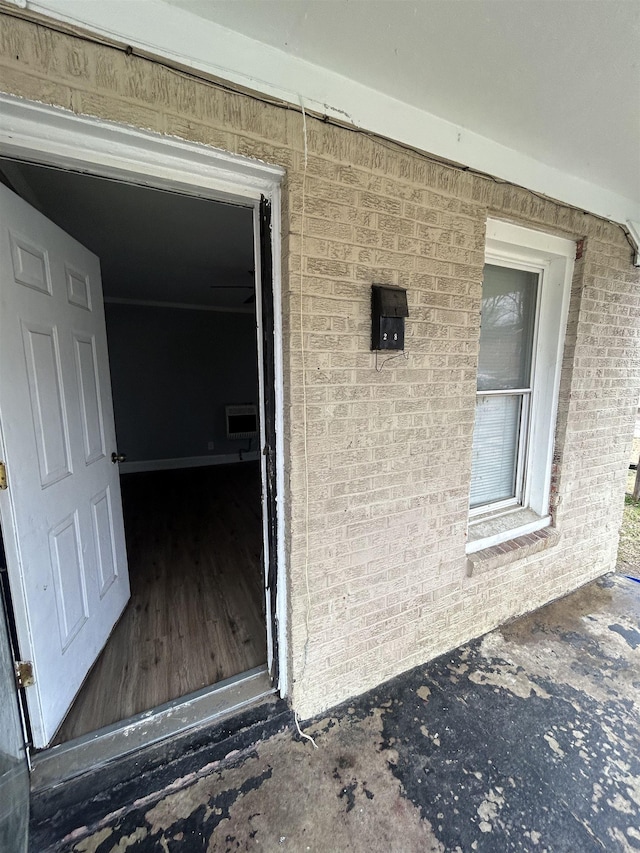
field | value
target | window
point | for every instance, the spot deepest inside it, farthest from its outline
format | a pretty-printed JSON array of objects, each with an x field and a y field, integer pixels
[{"x": 525, "y": 299}]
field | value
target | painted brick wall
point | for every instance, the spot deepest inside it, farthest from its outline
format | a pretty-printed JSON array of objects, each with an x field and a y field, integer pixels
[{"x": 378, "y": 461}]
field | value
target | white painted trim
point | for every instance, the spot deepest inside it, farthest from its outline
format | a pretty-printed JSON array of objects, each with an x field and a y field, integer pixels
[
  {"x": 506, "y": 535},
  {"x": 512, "y": 238},
  {"x": 177, "y": 35},
  {"x": 117, "y": 151},
  {"x": 634, "y": 230},
  {"x": 186, "y": 306},
  {"x": 141, "y": 465},
  {"x": 56, "y": 137}
]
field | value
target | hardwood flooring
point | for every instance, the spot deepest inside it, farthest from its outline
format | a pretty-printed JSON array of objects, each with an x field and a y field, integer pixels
[{"x": 196, "y": 613}]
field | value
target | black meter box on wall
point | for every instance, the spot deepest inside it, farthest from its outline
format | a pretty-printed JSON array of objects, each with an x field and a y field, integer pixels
[{"x": 388, "y": 310}]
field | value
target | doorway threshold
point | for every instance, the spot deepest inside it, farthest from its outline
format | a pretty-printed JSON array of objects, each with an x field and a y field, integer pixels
[{"x": 59, "y": 764}]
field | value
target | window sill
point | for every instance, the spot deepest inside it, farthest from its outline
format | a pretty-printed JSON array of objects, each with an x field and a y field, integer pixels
[
  {"x": 495, "y": 528},
  {"x": 496, "y": 556}
]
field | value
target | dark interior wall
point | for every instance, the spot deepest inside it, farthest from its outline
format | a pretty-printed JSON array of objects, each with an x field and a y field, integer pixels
[{"x": 172, "y": 373}]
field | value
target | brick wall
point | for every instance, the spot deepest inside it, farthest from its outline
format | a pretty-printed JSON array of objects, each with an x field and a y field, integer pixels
[{"x": 378, "y": 461}]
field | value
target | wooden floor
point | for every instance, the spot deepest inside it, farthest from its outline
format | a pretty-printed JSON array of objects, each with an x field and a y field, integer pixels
[{"x": 196, "y": 613}]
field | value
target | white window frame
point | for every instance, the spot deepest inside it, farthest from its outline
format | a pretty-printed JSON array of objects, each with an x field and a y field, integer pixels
[{"x": 553, "y": 258}]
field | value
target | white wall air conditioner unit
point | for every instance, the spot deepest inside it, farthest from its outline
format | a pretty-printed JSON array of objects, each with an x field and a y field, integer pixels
[{"x": 242, "y": 421}]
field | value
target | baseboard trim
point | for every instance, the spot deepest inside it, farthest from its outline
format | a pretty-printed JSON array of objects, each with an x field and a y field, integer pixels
[{"x": 188, "y": 462}]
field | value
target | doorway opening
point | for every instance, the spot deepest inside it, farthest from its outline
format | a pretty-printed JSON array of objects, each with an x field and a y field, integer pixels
[{"x": 182, "y": 300}]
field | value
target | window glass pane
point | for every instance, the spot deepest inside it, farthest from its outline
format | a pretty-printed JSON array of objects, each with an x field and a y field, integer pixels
[
  {"x": 506, "y": 330},
  {"x": 495, "y": 449}
]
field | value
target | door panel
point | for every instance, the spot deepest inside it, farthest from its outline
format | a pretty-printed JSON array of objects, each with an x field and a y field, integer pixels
[
  {"x": 91, "y": 409},
  {"x": 78, "y": 291},
  {"x": 105, "y": 538},
  {"x": 62, "y": 513},
  {"x": 48, "y": 412},
  {"x": 30, "y": 264},
  {"x": 69, "y": 578}
]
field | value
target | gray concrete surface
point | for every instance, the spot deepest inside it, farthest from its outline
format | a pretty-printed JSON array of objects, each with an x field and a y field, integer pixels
[{"x": 525, "y": 740}]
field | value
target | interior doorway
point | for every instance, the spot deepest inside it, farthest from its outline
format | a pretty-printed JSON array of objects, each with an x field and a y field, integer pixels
[{"x": 179, "y": 283}]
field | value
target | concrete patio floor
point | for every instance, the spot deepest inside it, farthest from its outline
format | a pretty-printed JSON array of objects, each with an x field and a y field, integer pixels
[{"x": 527, "y": 739}]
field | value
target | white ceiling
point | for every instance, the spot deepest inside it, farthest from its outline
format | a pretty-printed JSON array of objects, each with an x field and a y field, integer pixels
[
  {"x": 543, "y": 93},
  {"x": 556, "y": 79}
]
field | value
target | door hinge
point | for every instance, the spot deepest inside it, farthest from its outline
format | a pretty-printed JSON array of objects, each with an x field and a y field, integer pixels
[
  {"x": 3, "y": 476},
  {"x": 24, "y": 673}
]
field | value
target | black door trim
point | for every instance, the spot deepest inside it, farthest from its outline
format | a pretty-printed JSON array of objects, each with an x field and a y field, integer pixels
[{"x": 269, "y": 450}]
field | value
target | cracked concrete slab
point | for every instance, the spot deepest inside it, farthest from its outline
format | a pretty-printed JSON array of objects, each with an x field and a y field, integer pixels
[{"x": 527, "y": 739}]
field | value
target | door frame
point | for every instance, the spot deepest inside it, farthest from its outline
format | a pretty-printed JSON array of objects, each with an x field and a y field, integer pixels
[{"x": 52, "y": 136}]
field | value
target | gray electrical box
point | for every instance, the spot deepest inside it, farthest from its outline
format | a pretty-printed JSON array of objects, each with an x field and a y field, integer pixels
[{"x": 388, "y": 310}]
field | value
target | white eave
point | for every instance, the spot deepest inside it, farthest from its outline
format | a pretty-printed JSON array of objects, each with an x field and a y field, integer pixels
[{"x": 178, "y": 35}]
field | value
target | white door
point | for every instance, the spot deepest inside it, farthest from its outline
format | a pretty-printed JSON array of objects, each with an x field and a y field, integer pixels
[{"x": 62, "y": 513}]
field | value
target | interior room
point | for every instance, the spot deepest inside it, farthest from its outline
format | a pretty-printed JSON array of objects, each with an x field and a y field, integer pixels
[{"x": 178, "y": 278}]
